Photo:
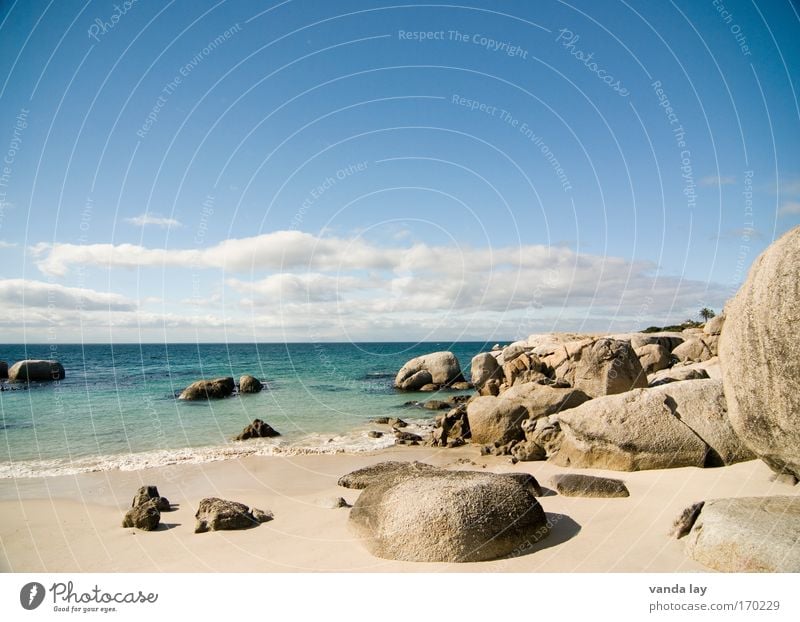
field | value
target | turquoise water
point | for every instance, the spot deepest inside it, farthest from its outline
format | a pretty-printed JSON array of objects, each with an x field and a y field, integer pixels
[{"x": 117, "y": 406}]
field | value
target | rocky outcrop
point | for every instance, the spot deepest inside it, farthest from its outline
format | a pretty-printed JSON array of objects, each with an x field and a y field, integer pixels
[
  {"x": 452, "y": 429},
  {"x": 747, "y": 534},
  {"x": 438, "y": 368},
  {"x": 695, "y": 350},
  {"x": 36, "y": 371},
  {"x": 674, "y": 425},
  {"x": 760, "y": 357},
  {"x": 145, "y": 516},
  {"x": 484, "y": 367},
  {"x": 363, "y": 477},
  {"x": 579, "y": 485},
  {"x": 257, "y": 429},
  {"x": 216, "y": 514},
  {"x": 250, "y": 384},
  {"x": 608, "y": 367},
  {"x": 448, "y": 516},
  {"x": 542, "y": 439},
  {"x": 653, "y": 357},
  {"x": 217, "y": 388},
  {"x": 714, "y": 325},
  {"x": 148, "y": 493}
]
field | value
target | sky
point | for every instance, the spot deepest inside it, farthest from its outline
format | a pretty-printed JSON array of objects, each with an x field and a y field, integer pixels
[{"x": 356, "y": 170}]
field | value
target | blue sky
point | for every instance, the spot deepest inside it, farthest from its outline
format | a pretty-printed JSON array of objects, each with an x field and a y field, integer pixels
[{"x": 354, "y": 170}]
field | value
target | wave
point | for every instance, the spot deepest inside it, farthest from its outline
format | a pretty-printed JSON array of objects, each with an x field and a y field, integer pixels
[{"x": 356, "y": 441}]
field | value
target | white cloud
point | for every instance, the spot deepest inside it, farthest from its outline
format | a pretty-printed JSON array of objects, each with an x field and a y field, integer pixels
[
  {"x": 789, "y": 208},
  {"x": 4, "y": 244},
  {"x": 22, "y": 293},
  {"x": 153, "y": 219},
  {"x": 718, "y": 180}
]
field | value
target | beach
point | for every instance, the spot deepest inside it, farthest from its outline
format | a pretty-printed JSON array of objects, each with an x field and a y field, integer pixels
[{"x": 72, "y": 523}]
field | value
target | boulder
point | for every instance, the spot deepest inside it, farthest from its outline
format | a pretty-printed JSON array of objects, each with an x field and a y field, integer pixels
[
  {"x": 631, "y": 431},
  {"x": 461, "y": 386},
  {"x": 36, "y": 371},
  {"x": 523, "y": 369},
  {"x": 439, "y": 368},
  {"x": 257, "y": 429},
  {"x": 580, "y": 485},
  {"x": 452, "y": 429},
  {"x": 668, "y": 340},
  {"x": 448, "y": 516},
  {"x": 429, "y": 388},
  {"x": 375, "y": 434},
  {"x": 3, "y": 370},
  {"x": 608, "y": 367},
  {"x": 215, "y": 514},
  {"x": 544, "y": 432},
  {"x": 144, "y": 516},
  {"x": 484, "y": 367},
  {"x": 760, "y": 358},
  {"x": 678, "y": 373},
  {"x": 363, "y": 477},
  {"x": 148, "y": 493},
  {"x": 528, "y": 451},
  {"x": 250, "y": 384},
  {"x": 208, "y": 389},
  {"x": 714, "y": 325},
  {"x": 694, "y": 350},
  {"x": 407, "y": 437},
  {"x": 653, "y": 357},
  {"x": 747, "y": 534}
]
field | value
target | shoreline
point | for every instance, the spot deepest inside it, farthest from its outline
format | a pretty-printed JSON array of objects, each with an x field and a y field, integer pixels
[{"x": 72, "y": 523}]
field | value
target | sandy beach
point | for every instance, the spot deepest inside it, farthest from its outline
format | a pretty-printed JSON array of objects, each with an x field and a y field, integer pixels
[{"x": 72, "y": 523}]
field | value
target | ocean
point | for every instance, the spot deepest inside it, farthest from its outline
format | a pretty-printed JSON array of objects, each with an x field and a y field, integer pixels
[{"x": 117, "y": 407}]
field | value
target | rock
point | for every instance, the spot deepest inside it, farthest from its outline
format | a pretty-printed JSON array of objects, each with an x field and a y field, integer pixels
[
  {"x": 608, "y": 367},
  {"x": 257, "y": 429},
  {"x": 683, "y": 524},
  {"x": 678, "y": 373},
  {"x": 363, "y": 477},
  {"x": 579, "y": 485},
  {"x": 523, "y": 366},
  {"x": 396, "y": 422},
  {"x": 36, "y": 371},
  {"x": 440, "y": 368},
  {"x": 452, "y": 430},
  {"x": 513, "y": 350},
  {"x": 694, "y": 349},
  {"x": 448, "y": 516},
  {"x": 653, "y": 428},
  {"x": 491, "y": 388},
  {"x": 381, "y": 420},
  {"x": 714, "y": 325},
  {"x": 333, "y": 503},
  {"x": 668, "y": 340},
  {"x": 527, "y": 480},
  {"x": 407, "y": 436},
  {"x": 208, "y": 389},
  {"x": 528, "y": 451},
  {"x": 216, "y": 514},
  {"x": 653, "y": 357},
  {"x": 144, "y": 516},
  {"x": 375, "y": 434},
  {"x": 148, "y": 493},
  {"x": 461, "y": 386},
  {"x": 747, "y": 534},
  {"x": 760, "y": 358},
  {"x": 544, "y": 432},
  {"x": 3, "y": 370},
  {"x": 429, "y": 388},
  {"x": 250, "y": 384},
  {"x": 436, "y": 405},
  {"x": 784, "y": 478}
]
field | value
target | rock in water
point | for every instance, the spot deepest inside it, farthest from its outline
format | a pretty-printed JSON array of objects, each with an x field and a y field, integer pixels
[
  {"x": 144, "y": 516},
  {"x": 40, "y": 371},
  {"x": 747, "y": 534},
  {"x": 609, "y": 367},
  {"x": 439, "y": 368},
  {"x": 257, "y": 429},
  {"x": 579, "y": 485},
  {"x": 250, "y": 384},
  {"x": 208, "y": 389},
  {"x": 448, "y": 516},
  {"x": 362, "y": 478},
  {"x": 215, "y": 514},
  {"x": 760, "y": 357},
  {"x": 148, "y": 493}
]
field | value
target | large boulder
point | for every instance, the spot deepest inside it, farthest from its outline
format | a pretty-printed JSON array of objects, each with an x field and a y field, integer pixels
[
  {"x": 714, "y": 325},
  {"x": 695, "y": 349},
  {"x": 580, "y": 485},
  {"x": 747, "y": 534},
  {"x": 653, "y": 357},
  {"x": 257, "y": 429},
  {"x": 149, "y": 493},
  {"x": 214, "y": 514},
  {"x": 448, "y": 516},
  {"x": 608, "y": 367},
  {"x": 674, "y": 425},
  {"x": 760, "y": 358},
  {"x": 361, "y": 478},
  {"x": 439, "y": 368},
  {"x": 208, "y": 389},
  {"x": 250, "y": 384},
  {"x": 36, "y": 370},
  {"x": 145, "y": 516}
]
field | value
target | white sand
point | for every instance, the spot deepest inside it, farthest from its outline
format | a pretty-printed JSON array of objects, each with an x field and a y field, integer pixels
[{"x": 72, "y": 523}]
